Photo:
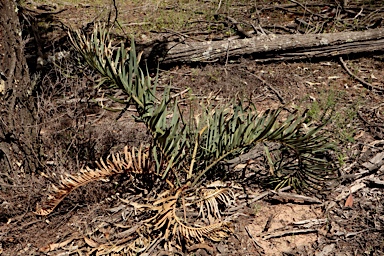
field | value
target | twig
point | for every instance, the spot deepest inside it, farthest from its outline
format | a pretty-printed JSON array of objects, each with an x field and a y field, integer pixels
[
  {"x": 309, "y": 223},
  {"x": 373, "y": 143},
  {"x": 219, "y": 5},
  {"x": 306, "y": 9},
  {"x": 154, "y": 245},
  {"x": 253, "y": 239},
  {"x": 257, "y": 198},
  {"x": 366, "y": 84},
  {"x": 368, "y": 124},
  {"x": 360, "y": 12},
  {"x": 294, "y": 196},
  {"x": 269, "y": 222},
  {"x": 116, "y": 13},
  {"x": 359, "y": 232},
  {"x": 259, "y": 20},
  {"x": 239, "y": 29},
  {"x": 289, "y": 233},
  {"x": 180, "y": 93},
  {"x": 137, "y": 24},
  {"x": 183, "y": 36},
  {"x": 291, "y": 31},
  {"x": 270, "y": 87},
  {"x": 280, "y": 6},
  {"x": 261, "y": 196}
]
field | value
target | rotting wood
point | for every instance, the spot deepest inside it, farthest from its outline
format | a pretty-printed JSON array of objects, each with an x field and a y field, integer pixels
[{"x": 270, "y": 47}]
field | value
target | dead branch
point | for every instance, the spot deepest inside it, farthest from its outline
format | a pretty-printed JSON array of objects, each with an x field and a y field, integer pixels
[{"x": 268, "y": 47}]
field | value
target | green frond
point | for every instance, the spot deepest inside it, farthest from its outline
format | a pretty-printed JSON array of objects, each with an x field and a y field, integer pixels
[{"x": 192, "y": 150}]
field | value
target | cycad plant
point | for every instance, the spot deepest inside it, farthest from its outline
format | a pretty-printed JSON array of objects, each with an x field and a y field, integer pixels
[{"x": 189, "y": 145}]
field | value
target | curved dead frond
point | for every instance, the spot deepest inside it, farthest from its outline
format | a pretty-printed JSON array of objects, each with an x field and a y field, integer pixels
[
  {"x": 211, "y": 198},
  {"x": 167, "y": 218},
  {"x": 215, "y": 232},
  {"x": 135, "y": 161},
  {"x": 137, "y": 246}
]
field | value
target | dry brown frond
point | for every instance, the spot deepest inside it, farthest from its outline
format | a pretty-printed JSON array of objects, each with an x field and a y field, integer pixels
[
  {"x": 136, "y": 161},
  {"x": 215, "y": 232},
  {"x": 167, "y": 218},
  {"x": 209, "y": 204}
]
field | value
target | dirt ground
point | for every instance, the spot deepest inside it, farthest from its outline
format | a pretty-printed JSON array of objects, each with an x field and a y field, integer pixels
[{"x": 347, "y": 219}]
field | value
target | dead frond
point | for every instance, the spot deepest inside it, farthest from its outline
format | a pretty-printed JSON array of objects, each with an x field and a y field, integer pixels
[
  {"x": 166, "y": 217},
  {"x": 135, "y": 161},
  {"x": 215, "y": 232},
  {"x": 211, "y": 198}
]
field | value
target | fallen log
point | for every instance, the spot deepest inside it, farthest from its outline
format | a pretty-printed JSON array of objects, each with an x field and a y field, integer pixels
[{"x": 268, "y": 47}]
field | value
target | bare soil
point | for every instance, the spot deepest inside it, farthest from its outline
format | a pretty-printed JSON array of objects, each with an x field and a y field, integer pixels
[{"x": 76, "y": 131}]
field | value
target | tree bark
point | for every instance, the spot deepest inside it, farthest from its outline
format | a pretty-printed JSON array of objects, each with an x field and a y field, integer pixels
[
  {"x": 18, "y": 132},
  {"x": 271, "y": 47}
]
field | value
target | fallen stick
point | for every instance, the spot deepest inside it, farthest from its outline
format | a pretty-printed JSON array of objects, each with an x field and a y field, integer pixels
[
  {"x": 289, "y": 233},
  {"x": 365, "y": 84},
  {"x": 270, "y": 87},
  {"x": 293, "y": 196}
]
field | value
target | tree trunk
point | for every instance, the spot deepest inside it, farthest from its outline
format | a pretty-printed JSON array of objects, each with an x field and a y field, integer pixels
[
  {"x": 18, "y": 131},
  {"x": 271, "y": 47}
]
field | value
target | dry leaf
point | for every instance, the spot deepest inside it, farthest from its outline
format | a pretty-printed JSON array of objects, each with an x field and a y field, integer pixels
[
  {"x": 240, "y": 166},
  {"x": 359, "y": 135},
  {"x": 349, "y": 201},
  {"x": 91, "y": 243},
  {"x": 52, "y": 247},
  {"x": 45, "y": 249}
]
